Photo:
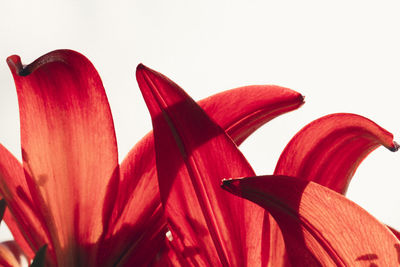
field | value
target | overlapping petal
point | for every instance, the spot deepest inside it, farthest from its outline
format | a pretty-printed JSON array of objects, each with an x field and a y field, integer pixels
[
  {"x": 11, "y": 255},
  {"x": 168, "y": 255},
  {"x": 28, "y": 228},
  {"x": 71, "y": 197},
  {"x": 239, "y": 111},
  {"x": 64, "y": 109},
  {"x": 69, "y": 151},
  {"x": 320, "y": 226},
  {"x": 396, "y": 233},
  {"x": 207, "y": 225},
  {"x": 329, "y": 149}
]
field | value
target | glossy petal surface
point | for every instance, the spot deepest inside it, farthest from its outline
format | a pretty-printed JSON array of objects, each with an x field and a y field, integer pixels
[
  {"x": 69, "y": 150},
  {"x": 320, "y": 226},
  {"x": 206, "y": 224},
  {"x": 329, "y": 149},
  {"x": 239, "y": 111}
]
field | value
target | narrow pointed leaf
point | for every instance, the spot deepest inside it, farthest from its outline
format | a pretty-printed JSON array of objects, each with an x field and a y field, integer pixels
[
  {"x": 40, "y": 258},
  {"x": 238, "y": 111},
  {"x": 69, "y": 150},
  {"x": 208, "y": 225},
  {"x": 320, "y": 226},
  {"x": 329, "y": 150}
]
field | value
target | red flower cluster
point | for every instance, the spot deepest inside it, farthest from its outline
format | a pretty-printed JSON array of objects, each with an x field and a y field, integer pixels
[{"x": 179, "y": 198}]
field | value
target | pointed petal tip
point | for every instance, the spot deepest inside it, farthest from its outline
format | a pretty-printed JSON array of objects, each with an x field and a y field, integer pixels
[
  {"x": 60, "y": 55},
  {"x": 395, "y": 147},
  {"x": 15, "y": 65},
  {"x": 301, "y": 100},
  {"x": 226, "y": 182},
  {"x": 230, "y": 185},
  {"x": 13, "y": 60},
  {"x": 142, "y": 67}
]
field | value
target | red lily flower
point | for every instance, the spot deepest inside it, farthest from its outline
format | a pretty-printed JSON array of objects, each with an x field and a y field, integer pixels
[
  {"x": 317, "y": 226},
  {"x": 70, "y": 193}
]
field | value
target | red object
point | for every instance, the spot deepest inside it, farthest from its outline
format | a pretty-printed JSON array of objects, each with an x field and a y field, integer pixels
[
  {"x": 320, "y": 226},
  {"x": 329, "y": 149},
  {"x": 70, "y": 192},
  {"x": 311, "y": 226}
]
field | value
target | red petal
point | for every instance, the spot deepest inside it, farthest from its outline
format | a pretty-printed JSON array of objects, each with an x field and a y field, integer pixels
[
  {"x": 208, "y": 225},
  {"x": 168, "y": 255},
  {"x": 69, "y": 149},
  {"x": 28, "y": 227},
  {"x": 329, "y": 150},
  {"x": 239, "y": 111},
  {"x": 273, "y": 244},
  {"x": 243, "y": 110},
  {"x": 320, "y": 226},
  {"x": 11, "y": 255},
  {"x": 396, "y": 233},
  {"x": 144, "y": 251},
  {"x": 19, "y": 234},
  {"x": 138, "y": 208}
]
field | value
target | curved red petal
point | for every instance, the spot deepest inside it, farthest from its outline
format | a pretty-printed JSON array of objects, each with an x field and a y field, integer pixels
[
  {"x": 28, "y": 227},
  {"x": 239, "y": 111},
  {"x": 320, "y": 226},
  {"x": 243, "y": 110},
  {"x": 208, "y": 225},
  {"x": 69, "y": 149},
  {"x": 329, "y": 150}
]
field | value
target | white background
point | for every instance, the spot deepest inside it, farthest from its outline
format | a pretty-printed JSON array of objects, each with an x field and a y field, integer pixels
[{"x": 344, "y": 56}]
